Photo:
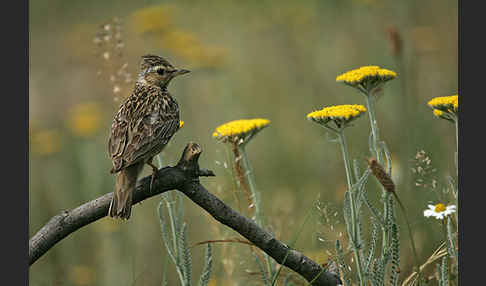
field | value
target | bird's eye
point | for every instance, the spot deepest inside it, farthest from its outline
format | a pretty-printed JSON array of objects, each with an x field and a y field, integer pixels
[{"x": 161, "y": 71}]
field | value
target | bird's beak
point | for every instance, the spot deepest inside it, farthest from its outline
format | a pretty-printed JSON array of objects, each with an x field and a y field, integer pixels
[{"x": 181, "y": 71}]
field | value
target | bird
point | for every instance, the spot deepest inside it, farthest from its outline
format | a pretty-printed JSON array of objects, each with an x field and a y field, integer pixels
[{"x": 142, "y": 127}]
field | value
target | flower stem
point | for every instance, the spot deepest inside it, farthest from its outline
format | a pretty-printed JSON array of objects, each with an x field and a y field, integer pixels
[
  {"x": 354, "y": 225},
  {"x": 370, "y": 102},
  {"x": 412, "y": 242},
  {"x": 239, "y": 170},
  {"x": 256, "y": 201},
  {"x": 253, "y": 191},
  {"x": 344, "y": 149},
  {"x": 456, "y": 122}
]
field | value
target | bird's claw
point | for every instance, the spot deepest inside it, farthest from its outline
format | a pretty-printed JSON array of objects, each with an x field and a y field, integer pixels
[
  {"x": 152, "y": 181},
  {"x": 154, "y": 171}
]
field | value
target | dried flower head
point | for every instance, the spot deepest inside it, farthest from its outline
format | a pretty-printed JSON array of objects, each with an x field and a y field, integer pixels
[
  {"x": 424, "y": 171},
  {"x": 366, "y": 77},
  {"x": 395, "y": 41},
  {"x": 445, "y": 106},
  {"x": 380, "y": 174},
  {"x": 240, "y": 131},
  {"x": 341, "y": 115},
  {"x": 110, "y": 47}
]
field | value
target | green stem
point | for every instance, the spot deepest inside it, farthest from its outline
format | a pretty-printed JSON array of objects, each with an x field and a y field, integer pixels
[
  {"x": 256, "y": 200},
  {"x": 234, "y": 178},
  {"x": 253, "y": 190},
  {"x": 376, "y": 148},
  {"x": 370, "y": 102},
  {"x": 344, "y": 149},
  {"x": 412, "y": 241},
  {"x": 456, "y": 122},
  {"x": 354, "y": 226}
]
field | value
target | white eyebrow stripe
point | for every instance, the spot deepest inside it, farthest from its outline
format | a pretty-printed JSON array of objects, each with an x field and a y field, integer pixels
[{"x": 155, "y": 68}]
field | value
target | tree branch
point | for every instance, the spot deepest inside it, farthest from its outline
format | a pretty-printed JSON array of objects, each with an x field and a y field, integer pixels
[{"x": 185, "y": 178}]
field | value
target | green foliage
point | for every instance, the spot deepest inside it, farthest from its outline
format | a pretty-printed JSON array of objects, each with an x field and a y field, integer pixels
[
  {"x": 360, "y": 189},
  {"x": 176, "y": 241},
  {"x": 342, "y": 264},
  {"x": 451, "y": 245},
  {"x": 374, "y": 211},
  {"x": 372, "y": 246},
  {"x": 443, "y": 272},
  {"x": 208, "y": 263},
  {"x": 164, "y": 272},
  {"x": 395, "y": 254},
  {"x": 377, "y": 277},
  {"x": 261, "y": 269},
  {"x": 287, "y": 281}
]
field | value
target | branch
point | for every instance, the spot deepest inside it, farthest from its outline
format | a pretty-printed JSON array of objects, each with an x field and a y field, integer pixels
[{"x": 185, "y": 178}]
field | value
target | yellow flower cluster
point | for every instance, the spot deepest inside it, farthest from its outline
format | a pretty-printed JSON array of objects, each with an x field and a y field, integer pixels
[
  {"x": 239, "y": 129},
  {"x": 445, "y": 107},
  {"x": 340, "y": 114},
  {"x": 438, "y": 113},
  {"x": 152, "y": 19},
  {"x": 181, "y": 123},
  {"x": 156, "y": 21},
  {"x": 366, "y": 74},
  {"x": 445, "y": 103},
  {"x": 45, "y": 142},
  {"x": 82, "y": 275},
  {"x": 85, "y": 119}
]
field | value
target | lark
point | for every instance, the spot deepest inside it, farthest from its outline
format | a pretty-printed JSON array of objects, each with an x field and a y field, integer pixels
[{"x": 142, "y": 127}]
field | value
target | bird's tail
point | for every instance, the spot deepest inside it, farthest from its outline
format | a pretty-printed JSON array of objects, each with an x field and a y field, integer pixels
[{"x": 121, "y": 203}]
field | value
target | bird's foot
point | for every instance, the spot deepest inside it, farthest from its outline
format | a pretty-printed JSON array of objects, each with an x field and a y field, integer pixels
[{"x": 154, "y": 171}]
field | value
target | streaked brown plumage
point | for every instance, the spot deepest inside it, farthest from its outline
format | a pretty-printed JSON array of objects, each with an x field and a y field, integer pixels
[{"x": 142, "y": 127}]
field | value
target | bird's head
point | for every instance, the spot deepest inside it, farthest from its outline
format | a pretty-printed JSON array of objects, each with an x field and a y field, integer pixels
[{"x": 155, "y": 70}]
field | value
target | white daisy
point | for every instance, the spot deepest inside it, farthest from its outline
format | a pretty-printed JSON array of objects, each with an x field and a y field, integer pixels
[{"x": 439, "y": 211}]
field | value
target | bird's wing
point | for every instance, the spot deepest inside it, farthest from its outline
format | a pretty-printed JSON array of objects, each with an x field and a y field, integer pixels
[
  {"x": 118, "y": 142},
  {"x": 136, "y": 136},
  {"x": 155, "y": 131}
]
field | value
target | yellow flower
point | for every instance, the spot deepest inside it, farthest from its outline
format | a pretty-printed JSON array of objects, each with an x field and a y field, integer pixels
[
  {"x": 152, "y": 19},
  {"x": 438, "y": 113},
  {"x": 82, "y": 275},
  {"x": 445, "y": 103},
  {"x": 107, "y": 225},
  {"x": 339, "y": 114},
  {"x": 45, "y": 142},
  {"x": 188, "y": 46},
  {"x": 85, "y": 119},
  {"x": 445, "y": 107},
  {"x": 367, "y": 77},
  {"x": 242, "y": 129},
  {"x": 181, "y": 123}
]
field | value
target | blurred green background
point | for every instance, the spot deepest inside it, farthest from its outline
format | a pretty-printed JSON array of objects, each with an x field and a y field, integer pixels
[{"x": 272, "y": 59}]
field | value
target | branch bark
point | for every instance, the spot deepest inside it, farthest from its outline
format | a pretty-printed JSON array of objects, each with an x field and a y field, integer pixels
[{"x": 185, "y": 178}]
